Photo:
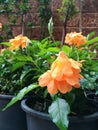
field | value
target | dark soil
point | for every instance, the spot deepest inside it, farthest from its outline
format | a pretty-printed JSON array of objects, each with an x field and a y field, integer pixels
[
  {"x": 42, "y": 105},
  {"x": 39, "y": 104}
]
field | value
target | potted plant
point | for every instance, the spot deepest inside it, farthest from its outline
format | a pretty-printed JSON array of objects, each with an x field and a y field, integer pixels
[
  {"x": 68, "y": 72},
  {"x": 10, "y": 85}
]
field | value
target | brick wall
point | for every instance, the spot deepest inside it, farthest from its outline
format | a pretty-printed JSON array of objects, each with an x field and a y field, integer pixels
[
  {"x": 88, "y": 20},
  {"x": 87, "y": 24}
]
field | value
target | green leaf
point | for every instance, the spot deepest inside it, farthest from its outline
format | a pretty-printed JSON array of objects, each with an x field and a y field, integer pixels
[
  {"x": 20, "y": 95},
  {"x": 90, "y": 35},
  {"x": 66, "y": 49},
  {"x": 50, "y": 26},
  {"x": 92, "y": 40},
  {"x": 23, "y": 58},
  {"x": 6, "y": 43},
  {"x": 53, "y": 49},
  {"x": 18, "y": 65},
  {"x": 25, "y": 74},
  {"x": 59, "y": 111}
]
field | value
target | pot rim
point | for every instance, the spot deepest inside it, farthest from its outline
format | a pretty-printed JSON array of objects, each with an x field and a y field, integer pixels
[
  {"x": 5, "y": 96},
  {"x": 33, "y": 112},
  {"x": 46, "y": 116}
]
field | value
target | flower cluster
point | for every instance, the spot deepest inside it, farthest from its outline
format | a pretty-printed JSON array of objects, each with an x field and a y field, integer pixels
[
  {"x": 75, "y": 39},
  {"x": 32, "y": 65},
  {"x": 63, "y": 75},
  {"x": 19, "y": 41}
]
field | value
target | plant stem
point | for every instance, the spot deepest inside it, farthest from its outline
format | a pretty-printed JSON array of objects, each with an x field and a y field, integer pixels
[
  {"x": 80, "y": 16},
  {"x": 23, "y": 23},
  {"x": 64, "y": 30}
]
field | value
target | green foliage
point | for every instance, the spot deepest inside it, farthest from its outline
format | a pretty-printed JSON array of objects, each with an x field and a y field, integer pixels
[
  {"x": 44, "y": 10},
  {"x": 66, "y": 49},
  {"x": 59, "y": 111},
  {"x": 14, "y": 10},
  {"x": 90, "y": 79},
  {"x": 23, "y": 67},
  {"x": 88, "y": 53},
  {"x": 11, "y": 9},
  {"x": 44, "y": 13},
  {"x": 68, "y": 9},
  {"x": 7, "y": 86},
  {"x": 21, "y": 95},
  {"x": 50, "y": 27}
]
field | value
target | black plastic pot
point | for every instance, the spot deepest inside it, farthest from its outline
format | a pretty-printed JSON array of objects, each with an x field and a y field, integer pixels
[
  {"x": 92, "y": 97},
  {"x": 41, "y": 121},
  {"x": 13, "y": 118}
]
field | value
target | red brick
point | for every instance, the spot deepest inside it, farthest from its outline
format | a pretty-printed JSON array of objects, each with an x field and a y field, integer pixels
[
  {"x": 3, "y": 19},
  {"x": 16, "y": 30},
  {"x": 90, "y": 6},
  {"x": 32, "y": 17},
  {"x": 74, "y": 22},
  {"x": 72, "y": 29},
  {"x": 87, "y": 30},
  {"x": 56, "y": 4},
  {"x": 90, "y": 19},
  {"x": 56, "y": 20},
  {"x": 57, "y": 33},
  {"x": 33, "y": 33}
]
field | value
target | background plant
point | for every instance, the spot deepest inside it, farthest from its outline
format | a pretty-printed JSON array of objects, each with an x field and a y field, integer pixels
[
  {"x": 44, "y": 13},
  {"x": 88, "y": 54},
  {"x": 37, "y": 58},
  {"x": 19, "y": 66},
  {"x": 67, "y": 10},
  {"x": 13, "y": 10}
]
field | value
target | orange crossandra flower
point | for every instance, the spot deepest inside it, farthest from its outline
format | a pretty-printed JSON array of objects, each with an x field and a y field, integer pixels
[
  {"x": 19, "y": 41},
  {"x": 76, "y": 39},
  {"x": 0, "y": 25},
  {"x": 62, "y": 76}
]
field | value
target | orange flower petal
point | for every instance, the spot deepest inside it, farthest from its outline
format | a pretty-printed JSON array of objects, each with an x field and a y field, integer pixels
[
  {"x": 52, "y": 87},
  {"x": 61, "y": 66},
  {"x": 77, "y": 85},
  {"x": 63, "y": 75},
  {"x": 19, "y": 41},
  {"x": 72, "y": 80},
  {"x": 75, "y": 64},
  {"x": 64, "y": 87},
  {"x": 75, "y": 39},
  {"x": 44, "y": 79},
  {"x": 56, "y": 73}
]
